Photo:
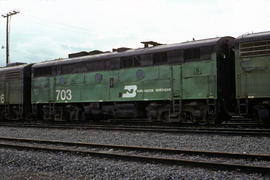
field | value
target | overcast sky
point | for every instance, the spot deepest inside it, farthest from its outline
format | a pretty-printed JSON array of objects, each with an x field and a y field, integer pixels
[{"x": 51, "y": 29}]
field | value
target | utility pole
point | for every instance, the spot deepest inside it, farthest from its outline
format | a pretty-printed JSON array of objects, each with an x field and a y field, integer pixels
[{"x": 8, "y": 16}]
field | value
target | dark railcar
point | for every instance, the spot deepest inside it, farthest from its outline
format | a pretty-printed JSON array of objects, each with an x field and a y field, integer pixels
[{"x": 15, "y": 91}]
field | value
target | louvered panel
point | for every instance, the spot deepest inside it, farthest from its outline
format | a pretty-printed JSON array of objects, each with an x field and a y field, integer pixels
[
  {"x": 257, "y": 48},
  {"x": 13, "y": 75}
]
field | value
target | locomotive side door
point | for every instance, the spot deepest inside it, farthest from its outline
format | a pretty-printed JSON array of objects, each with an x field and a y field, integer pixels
[
  {"x": 176, "y": 80},
  {"x": 113, "y": 79},
  {"x": 51, "y": 90},
  {"x": 51, "y": 83},
  {"x": 114, "y": 86}
]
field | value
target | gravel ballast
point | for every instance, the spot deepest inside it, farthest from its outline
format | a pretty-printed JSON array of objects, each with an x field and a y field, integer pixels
[
  {"x": 34, "y": 165},
  {"x": 17, "y": 164},
  {"x": 237, "y": 144}
]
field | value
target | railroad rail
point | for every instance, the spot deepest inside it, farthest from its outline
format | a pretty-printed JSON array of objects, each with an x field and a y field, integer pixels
[
  {"x": 130, "y": 153},
  {"x": 159, "y": 129}
]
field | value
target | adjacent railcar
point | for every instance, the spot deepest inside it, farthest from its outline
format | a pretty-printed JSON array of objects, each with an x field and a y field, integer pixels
[
  {"x": 191, "y": 81},
  {"x": 252, "y": 61},
  {"x": 15, "y": 91}
]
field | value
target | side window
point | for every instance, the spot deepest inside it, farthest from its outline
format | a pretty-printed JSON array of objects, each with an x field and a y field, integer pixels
[
  {"x": 113, "y": 64},
  {"x": 197, "y": 54},
  {"x": 73, "y": 68},
  {"x": 95, "y": 66},
  {"x": 131, "y": 61},
  {"x": 192, "y": 54},
  {"x": 206, "y": 52},
  {"x": 137, "y": 61},
  {"x": 126, "y": 62},
  {"x": 42, "y": 71},
  {"x": 146, "y": 60},
  {"x": 160, "y": 58},
  {"x": 67, "y": 68},
  {"x": 175, "y": 57},
  {"x": 98, "y": 77}
]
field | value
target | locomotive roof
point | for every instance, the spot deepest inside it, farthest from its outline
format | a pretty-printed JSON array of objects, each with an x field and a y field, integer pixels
[
  {"x": 252, "y": 37},
  {"x": 132, "y": 52},
  {"x": 13, "y": 68}
]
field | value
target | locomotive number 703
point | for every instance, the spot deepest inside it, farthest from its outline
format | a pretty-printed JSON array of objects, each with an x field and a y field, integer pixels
[{"x": 62, "y": 94}]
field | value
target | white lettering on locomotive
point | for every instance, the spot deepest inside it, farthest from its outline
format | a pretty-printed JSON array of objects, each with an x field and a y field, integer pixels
[
  {"x": 132, "y": 90},
  {"x": 163, "y": 89}
]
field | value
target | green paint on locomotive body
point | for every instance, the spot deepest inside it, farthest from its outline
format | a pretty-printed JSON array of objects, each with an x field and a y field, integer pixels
[
  {"x": 189, "y": 80},
  {"x": 199, "y": 79},
  {"x": 252, "y": 76}
]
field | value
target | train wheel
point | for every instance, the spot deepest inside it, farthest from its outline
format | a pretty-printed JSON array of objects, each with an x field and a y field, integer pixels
[
  {"x": 165, "y": 117},
  {"x": 202, "y": 122},
  {"x": 261, "y": 115},
  {"x": 82, "y": 116}
]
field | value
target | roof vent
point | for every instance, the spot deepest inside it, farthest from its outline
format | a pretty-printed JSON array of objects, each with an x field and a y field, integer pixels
[
  {"x": 95, "y": 52},
  {"x": 121, "y": 49},
  {"x": 152, "y": 43},
  {"x": 78, "y": 54}
]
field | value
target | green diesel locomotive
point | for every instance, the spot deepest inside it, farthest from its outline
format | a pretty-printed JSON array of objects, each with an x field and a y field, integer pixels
[{"x": 189, "y": 82}]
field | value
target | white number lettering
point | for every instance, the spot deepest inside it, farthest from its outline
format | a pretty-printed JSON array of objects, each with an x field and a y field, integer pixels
[
  {"x": 57, "y": 94},
  {"x": 69, "y": 96},
  {"x": 63, "y": 94}
]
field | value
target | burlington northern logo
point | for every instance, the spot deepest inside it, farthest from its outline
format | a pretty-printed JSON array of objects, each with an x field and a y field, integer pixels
[{"x": 131, "y": 91}]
